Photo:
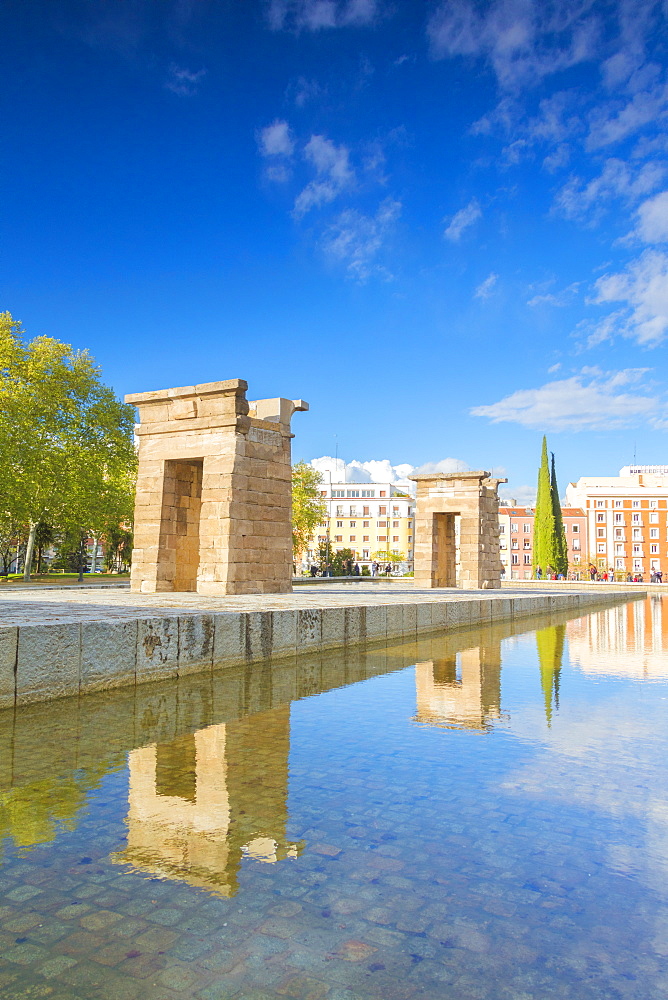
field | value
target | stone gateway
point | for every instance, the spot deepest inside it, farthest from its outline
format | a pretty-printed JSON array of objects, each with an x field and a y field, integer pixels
[
  {"x": 457, "y": 531},
  {"x": 214, "y": 491}
]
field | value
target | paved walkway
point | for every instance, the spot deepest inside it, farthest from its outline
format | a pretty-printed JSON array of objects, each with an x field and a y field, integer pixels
[{"x": 30, "y": 606}]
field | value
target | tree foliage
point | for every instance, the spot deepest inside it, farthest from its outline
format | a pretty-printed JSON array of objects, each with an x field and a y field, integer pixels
[
  {"x": 66, "y": 441},
  {"x": 308, "y": 508},
  {"x": 549, "y": 545}
]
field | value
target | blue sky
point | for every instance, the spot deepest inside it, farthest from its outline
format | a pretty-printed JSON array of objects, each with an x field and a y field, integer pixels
[{"x": 442, "y": 223}]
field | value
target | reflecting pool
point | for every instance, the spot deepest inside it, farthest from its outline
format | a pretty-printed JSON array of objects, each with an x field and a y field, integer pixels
[{"x": 479, "y": 815}]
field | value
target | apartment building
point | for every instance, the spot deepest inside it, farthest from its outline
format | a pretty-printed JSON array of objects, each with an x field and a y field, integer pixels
[
  {"x": 516, "y": 540},
  {"x": 366, "y": 518},
  {"x": 627, "y": 519}
]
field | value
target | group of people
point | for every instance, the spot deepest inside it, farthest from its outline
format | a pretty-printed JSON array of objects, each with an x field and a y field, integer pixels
[
  {"x": 549, "y": 574},
  {"x": 351, "y": 569}
]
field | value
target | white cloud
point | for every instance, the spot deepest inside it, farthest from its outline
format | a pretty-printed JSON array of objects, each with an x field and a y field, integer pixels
[
  {"x": 559, "y": 299},
  {"x": 276, "y": 139},
  {"x": 587, "y": 401},
  {"x": 356, "y": 240},
  {"x": 523, "y": 40},
  {"x": 618, "y": 179},
  {"x": 333, "y": 173},
  {"x": 315, "y": 15},
  {"x": 462, "y": 219},
  {"x": 486, "y": 287},
  {"x": 614, "y": 121},
  {"x": 184, "y": 82},
  {"x": 382, "y": 470},
  {"x": 653, "y": 219},
  {"x": 643, "y": 288}
]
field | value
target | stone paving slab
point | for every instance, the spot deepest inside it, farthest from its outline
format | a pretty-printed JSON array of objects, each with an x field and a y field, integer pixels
[{"x": 53, "y": 645}]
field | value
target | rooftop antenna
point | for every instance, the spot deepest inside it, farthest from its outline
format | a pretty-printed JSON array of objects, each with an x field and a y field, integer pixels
[{"x": 634, "y": 453}]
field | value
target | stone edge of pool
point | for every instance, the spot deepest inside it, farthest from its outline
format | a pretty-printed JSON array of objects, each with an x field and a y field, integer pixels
[{"x": 48, "y": 660}]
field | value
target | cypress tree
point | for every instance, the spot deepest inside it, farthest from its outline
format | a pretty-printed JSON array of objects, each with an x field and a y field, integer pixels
[
  {"x": 545, "y": 552},
  {"x": 550, "y": 643},
  {"x": 561, "y": 547}
]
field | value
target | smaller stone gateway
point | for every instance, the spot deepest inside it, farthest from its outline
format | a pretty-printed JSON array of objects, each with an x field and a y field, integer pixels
[
  {"x": 457, "y": 530},
  {"x": 214, "y": 491}
]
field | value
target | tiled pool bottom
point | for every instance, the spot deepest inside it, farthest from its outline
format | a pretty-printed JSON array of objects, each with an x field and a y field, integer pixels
[{"x": 484, "y": 816}]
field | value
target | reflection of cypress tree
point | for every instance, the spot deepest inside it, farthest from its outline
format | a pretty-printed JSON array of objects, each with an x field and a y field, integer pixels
[
  {"x": 550, "y": 643},
  {"x": 561, "y": 548}
]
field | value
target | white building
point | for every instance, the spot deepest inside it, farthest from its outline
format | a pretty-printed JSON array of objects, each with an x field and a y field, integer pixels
[
  {"x": 367, "y": 518},
  {"x": 627, "y": 519}
]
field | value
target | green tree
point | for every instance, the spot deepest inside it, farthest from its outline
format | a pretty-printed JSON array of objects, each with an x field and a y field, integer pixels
[
  {"x": 385, "y": 556},
  {"x": 308, "y": 508},
  {"x": 561, "y": 545},
  {"x": 546, "y": 550},
  {"x": 342, "y": 562},
  {"x": 66, "y": 437}
]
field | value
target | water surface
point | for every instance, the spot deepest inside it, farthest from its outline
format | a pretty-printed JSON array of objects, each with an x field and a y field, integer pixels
[{"x": 482, "y": 815}]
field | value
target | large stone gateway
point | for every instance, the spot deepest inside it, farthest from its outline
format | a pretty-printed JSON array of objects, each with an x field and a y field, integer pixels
[
  {"x": 214, "y": 491},
  {"x": 457, "y": 531}
]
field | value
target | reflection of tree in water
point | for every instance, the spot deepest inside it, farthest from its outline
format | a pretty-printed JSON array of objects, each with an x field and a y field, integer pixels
[
  {"x": 550, "y": 643},
  {"x": 34, "y": 813}
]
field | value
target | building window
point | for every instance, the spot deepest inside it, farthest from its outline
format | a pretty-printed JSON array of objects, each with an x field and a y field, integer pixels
[
  {"x": 368, "y": 493},
  {"x": 382, "y": 511},
  {"x": 365, "y": 511},
  {"x": 353, "y": 524},
  {"x": 576, "y": 527},
  {"x": 637, "y": 533},
  {"x": 410, "y": 523},
  {"x": 527, "y": 543},
  {"x": 619, "y": 503},
  {"x": 601, "y": 548},
  {"x": 353, "y": 493},
  {"x": 600, "y": 503},
  {"x": 365, "y": 552},
  {"x": 338, "y": 538},
  {"x": 600, "y": 517},
  {"x": 502, "y": 529},
  {"x": 513, "y": 526},
  {"x": 515, "y": 560},
  {"x": 383, "y": 493},
  {"x": 654, "y": 549},
  {"x": 527, "y": 528},
  {"x": 653, "y": 518},
  {"x": 654, "y": 503},
  {"x": 381, "y": 538},
  {"x": 619, "y": 533},
  {"x": 637, "y": 563},
  {"x": 619, "y": 518},
  {"x": 636, "y": 518},
  {"x": 636, "y": 503},
  {"x": 619, "y": 563},
  {"x": 395, "y": 512},
  {"x": 381, "y": 524},
  {"x": 365, "y": 524},
  {"x": 365, "y": 538},
  {"x": 653, "y": 532},
  {"x": 637, "y": 550},
  {"x": 395, "y": 538},
  {"x": 353, "y": 538},
  {"x": 576, "y": 544},
  {"x": 527, "y": 560},
  {"x": 600, "y": 532},
  {"x": 339, "y": 524},
  {"x": 353, "y": 510},
  {"x": 576, "y": 560},
  {"x": 410, "y": 539},
  {"x": 338, "y": 493},
  {"x": 514, "y": 544}
]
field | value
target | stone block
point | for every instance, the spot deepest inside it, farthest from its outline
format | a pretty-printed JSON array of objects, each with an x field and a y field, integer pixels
[
  {"x": 108, "y": 654},
  {"x": 48, "y": 662},
  {"x": 409, "y": 612},
  {"x": 355, "y": 626},
  {"x": 424, "y": 618},
  {"x": 284, "y": 633},
  {"x": 196, "y": 635},
  {"x": 229, "y": 643},
  {"x": 333, "y": 627},
  {"x": 376, "y": 622},
  {"x": 157, "y": 648},
  {"x": 439, "y": 614},
  {"x": 258, "y": 635},
  {"x": 395, "y": 621},
  {"x": 309, "y": 628},
  {"x": 458, "y": 614},
  {"x": 8, "y": 647}
]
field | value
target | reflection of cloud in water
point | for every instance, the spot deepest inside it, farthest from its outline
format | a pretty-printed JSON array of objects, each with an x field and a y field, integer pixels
[{"x": 630, "y": 640}]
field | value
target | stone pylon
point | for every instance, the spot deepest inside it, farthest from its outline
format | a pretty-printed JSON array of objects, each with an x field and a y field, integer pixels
[
  {"x": 214, "y": 491},
  {"x": 457, "y": 531}
]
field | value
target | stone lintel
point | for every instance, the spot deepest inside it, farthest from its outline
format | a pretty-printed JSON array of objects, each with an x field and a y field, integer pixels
[
  {"x": 233, "y": 386},
  {"x": 450, "y": 476}
]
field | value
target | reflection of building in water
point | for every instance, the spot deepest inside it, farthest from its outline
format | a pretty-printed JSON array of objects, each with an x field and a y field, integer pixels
[
  {"x": 461, "y": 691},
  {"x": 550, "y": 643},
  {"x": 202, "y": 802},
  {"x": 630, "y": 640}
]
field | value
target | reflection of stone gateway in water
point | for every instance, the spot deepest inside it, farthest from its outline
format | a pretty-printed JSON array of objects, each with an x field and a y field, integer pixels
[
  {"x": 201, "y": 803},
  {"x": 462, "y": 691}
]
